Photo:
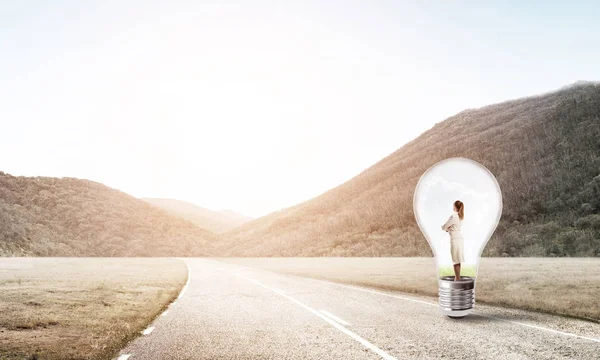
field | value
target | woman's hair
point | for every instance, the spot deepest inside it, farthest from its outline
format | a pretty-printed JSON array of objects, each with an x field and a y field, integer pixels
[{"x": 460, "y": 207}]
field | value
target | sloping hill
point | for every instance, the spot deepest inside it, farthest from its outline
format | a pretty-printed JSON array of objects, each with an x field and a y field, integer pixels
[
  {"x": 41, "y": 216},
  {"x": 544, "y": 151},
  {"x": 215, "y": 221}
]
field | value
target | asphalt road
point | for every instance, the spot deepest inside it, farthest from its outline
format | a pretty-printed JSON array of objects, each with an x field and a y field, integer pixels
[{"x": 233, "y": 312}]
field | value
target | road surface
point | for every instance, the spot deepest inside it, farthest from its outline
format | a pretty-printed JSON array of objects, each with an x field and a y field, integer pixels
[{"x": 227, "y": 311}]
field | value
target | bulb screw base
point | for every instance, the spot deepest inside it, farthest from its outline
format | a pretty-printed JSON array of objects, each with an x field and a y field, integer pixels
[{"x": 457, "y": 298}]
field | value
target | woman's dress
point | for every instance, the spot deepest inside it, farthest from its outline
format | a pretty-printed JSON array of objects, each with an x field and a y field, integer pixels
[{"x": 453, "y": 227}]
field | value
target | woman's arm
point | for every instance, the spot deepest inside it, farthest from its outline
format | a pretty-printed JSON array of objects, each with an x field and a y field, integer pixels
[{"x": 451, "y": 221}]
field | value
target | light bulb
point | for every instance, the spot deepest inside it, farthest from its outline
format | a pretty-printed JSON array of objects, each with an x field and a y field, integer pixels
[{"x": 433, "y": 204}]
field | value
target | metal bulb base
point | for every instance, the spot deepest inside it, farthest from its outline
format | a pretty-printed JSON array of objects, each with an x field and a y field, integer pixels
[{"x": 457, "y": 298}]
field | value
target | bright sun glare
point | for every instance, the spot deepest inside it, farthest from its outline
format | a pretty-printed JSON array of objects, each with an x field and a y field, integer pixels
[{"x": 252, "y": 107}]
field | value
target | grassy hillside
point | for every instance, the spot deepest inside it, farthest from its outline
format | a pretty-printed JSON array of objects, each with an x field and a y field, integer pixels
[
  {"x": 215, "y": 221},
  {"x": 544, "y": 151},
  {"x": 42, "y": 216}
]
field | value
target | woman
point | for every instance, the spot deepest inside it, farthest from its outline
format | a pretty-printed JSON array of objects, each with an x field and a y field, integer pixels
[{"x": 453, "y": 226}]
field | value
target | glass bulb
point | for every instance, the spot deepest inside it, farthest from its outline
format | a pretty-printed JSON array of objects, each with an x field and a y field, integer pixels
[{"x": 433, "y": 204}]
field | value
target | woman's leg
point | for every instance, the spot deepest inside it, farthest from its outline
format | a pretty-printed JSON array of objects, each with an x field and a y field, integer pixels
[{"x": 456, "y": 272}]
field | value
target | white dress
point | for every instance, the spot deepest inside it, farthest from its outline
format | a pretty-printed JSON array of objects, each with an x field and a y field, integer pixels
[{"x": 453, "y": 226}]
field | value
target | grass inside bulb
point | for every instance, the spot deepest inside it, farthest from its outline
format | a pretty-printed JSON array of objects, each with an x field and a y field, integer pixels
[{"x": 434, "y": 203}]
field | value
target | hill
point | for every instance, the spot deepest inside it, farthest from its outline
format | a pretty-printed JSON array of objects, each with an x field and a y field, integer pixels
[
  {"x": 544, "y": 150},
  {"x": 215, "y": 221},
  {"x": 42, "y": 216}
]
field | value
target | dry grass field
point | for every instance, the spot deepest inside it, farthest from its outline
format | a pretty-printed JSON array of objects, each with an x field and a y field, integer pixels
[
  {"x": 81, "y": 308},
  {"x": 566, "y": 286}
]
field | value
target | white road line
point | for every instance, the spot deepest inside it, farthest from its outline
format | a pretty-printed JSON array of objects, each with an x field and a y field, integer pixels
[
  {"x": 351, "y": 334},
  {"x": 540, "y": 328},
  {"x": 341, "y": 321},
  {"x": 148, "y": 330},
  {"x": 165, "y": 313},
  {"x": 124, "y": 357},
  {"x": 281, "y": 291},
  {"x": 187, "y": 282},
  {"x": 474, "y": 313}
]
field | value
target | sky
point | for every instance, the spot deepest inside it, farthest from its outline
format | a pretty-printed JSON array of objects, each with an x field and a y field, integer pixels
[
  {"x": 442, "y": 184},
  {"x": 256, "y": 106}
]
